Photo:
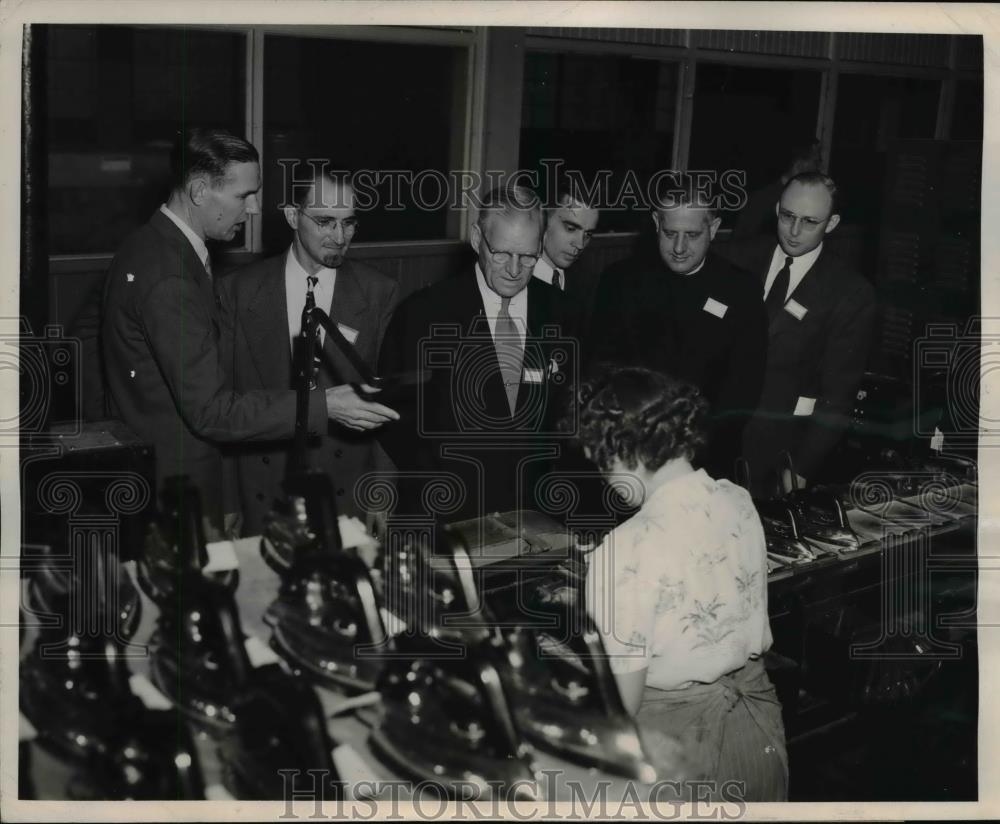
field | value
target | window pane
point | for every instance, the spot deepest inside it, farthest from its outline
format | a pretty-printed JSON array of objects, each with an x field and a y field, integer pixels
[
  {"x": 968, "y": 109},
  {"x": 366, "y": 106},
  {"x": 116, "y": 97},
  {"x": 753, "y": 120},
  {"x": 598, "y": 113},
  {"x": 871, "y": 112}
]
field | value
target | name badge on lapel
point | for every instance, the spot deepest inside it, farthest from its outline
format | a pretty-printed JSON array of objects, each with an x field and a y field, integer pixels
[
  {"x": 713, "y": 307},
  {"x": 795, "y": 309},
  {"x": 804, "y": 406},
  {"x": 347, "y": 332},
  {"x": 533, "y": 376}
]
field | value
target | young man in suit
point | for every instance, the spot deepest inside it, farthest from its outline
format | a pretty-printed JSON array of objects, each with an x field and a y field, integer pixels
[
  {"x": 489, "y": 342},
  {"x": 161, "y": 324},
  {"x": 686, "y": 312},
  {"x": 569, "y": 228},
  {"x": 263, "y": 304},
  {"x": 821, "y": 314}
]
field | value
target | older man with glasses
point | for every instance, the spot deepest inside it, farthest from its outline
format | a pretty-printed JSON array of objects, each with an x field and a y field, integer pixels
[
  {"x": 262, "y": 306},
  {"x": 489, "y": 343}
]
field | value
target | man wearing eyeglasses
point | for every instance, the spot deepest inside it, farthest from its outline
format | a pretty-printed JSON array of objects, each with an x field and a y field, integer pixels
[
  {"x": 162, "y": 334},
  {"x": 264, "y": 303},
  {"x": 490, "y": 343},
  {"x": 821, "y": 313}
]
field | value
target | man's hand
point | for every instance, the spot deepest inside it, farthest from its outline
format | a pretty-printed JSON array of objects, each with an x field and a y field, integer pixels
[
  {"x": 232, "y": 525},
  {"x": 347, "y": 408}
]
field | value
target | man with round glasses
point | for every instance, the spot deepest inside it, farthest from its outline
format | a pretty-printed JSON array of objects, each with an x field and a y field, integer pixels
[
  {"x": 490, "y": 343},
  {"x": 263, "y": 305},
  {"x": 821, "y": 316}
]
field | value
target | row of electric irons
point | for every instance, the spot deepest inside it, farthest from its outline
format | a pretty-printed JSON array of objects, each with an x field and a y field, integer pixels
[
  {"x": 823, "y": 524},
  {"x": 458, "y": 699}
]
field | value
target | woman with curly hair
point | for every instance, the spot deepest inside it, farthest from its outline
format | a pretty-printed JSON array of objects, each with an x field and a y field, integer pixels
[{"x": 679, "y": 591}]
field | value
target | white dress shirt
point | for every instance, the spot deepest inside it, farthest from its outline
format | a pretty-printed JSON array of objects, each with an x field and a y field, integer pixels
[
  {"x": 296, "y": 285},
  {"x": 517, "y": 308},
  {"x": 799, "y": 267},
  {"x": 199, "y": 245},
  {"x": 544, "y": 271}
]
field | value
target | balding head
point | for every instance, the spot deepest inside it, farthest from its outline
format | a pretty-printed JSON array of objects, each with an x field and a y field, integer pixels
[{"x": 507, "y": 238}]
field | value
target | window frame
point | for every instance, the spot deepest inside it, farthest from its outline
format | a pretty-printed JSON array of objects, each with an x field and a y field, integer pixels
[
  {"x": 687, "y": 56},
  {"x": 254, "y": 36},
  {"x": 444, "y": 36}
]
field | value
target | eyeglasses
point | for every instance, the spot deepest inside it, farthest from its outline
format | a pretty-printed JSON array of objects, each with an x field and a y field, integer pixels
[
  {"x": 788, "y": 218},
  {"x": 503, "y": 258},
  {"x": 329, "y": 224}
]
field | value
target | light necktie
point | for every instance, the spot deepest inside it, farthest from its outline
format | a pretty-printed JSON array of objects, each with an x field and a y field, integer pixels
[
  {"x": 208, "y": 267},
  {"x": 775, "y": 300},
  {"x": 557, "y": 279},
  {"x": 508, "y": 345},
  {"x": 312, "y": 280}
]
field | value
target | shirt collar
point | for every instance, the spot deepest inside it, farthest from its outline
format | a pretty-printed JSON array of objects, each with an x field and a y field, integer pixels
[
  {"x": 544, "y": 270},
  {"x": 199, "y": 245},
  {"x": 492, "y": 301},
  {"x": 295, "y": 271},
  {"x": 802, "y": 263},
  {"x": 697, "y": 268}
]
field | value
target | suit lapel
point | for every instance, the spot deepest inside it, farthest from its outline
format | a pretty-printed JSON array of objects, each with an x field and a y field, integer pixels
[
  {"x": 481, "y": 349},
  {"x": 266, "y": 327},
  {"x": 809, "y": 294},
  {"x": 191, "y": 266},
  {"x": 535, "y": 364},
  {"x": 347, "y": 312}
]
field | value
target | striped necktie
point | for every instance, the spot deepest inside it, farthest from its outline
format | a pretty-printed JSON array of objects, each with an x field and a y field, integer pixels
[
  {"x": 508, "y": 345},
  {"x": 557, "y": 279},
  {"x": 311, "y": 304}
]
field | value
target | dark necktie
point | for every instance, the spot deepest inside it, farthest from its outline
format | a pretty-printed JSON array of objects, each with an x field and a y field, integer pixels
[
  {"x": 775, "y": 300},
  {"x": 312, "y": 280},
  {"x": 557, "y": 278},
  {"x": 508, "y": 345}
]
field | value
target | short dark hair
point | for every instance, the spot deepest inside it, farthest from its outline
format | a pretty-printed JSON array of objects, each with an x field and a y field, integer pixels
[
  {"x": 509, "y": 200},
  {"x": 209, "y": 152},
  {"x": 818, "y": 179},
  {"x": 636, "y": 414},
  {"x": 298, "y": 190},
  {"x": 573, "y": 195}
]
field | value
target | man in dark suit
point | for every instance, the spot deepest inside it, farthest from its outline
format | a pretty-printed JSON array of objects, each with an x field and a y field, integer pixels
[
  {"x": 821, "y": 317},
  {"x": 686, "y": 312},
  {"x": 569, "y": 228},
  {"x": 161, "y": 324},
  {"x": 264, "y": 303},
  {"x": 490, "y": 344}
]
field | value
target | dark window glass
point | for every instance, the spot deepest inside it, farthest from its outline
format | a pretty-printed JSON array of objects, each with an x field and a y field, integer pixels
[
  {"x": 368, "y": 107},
  {"x": 116, "y": 97},
  {"x": 967, "y": 120},
  {"x": 871, "y": 113},
  {"x": 598, "y": 113},
  {"x": 752, "y": 120}
]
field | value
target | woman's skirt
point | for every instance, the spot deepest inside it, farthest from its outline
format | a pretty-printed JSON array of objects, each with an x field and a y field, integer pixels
[{"x": 730, "y": 733}]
